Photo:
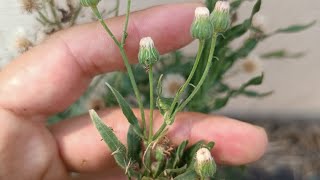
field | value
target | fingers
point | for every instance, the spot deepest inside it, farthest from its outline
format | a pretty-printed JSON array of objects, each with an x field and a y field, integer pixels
[
  {"x": 47, "y": 79},
  {"x": 83, "y": 151}
]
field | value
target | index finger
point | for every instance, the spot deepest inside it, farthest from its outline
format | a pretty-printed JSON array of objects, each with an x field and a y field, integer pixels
[{"x": 47, "y": 79}]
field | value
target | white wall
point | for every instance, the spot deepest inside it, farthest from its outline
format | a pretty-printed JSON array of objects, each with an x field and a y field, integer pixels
[{"x": 296, "y": 82}]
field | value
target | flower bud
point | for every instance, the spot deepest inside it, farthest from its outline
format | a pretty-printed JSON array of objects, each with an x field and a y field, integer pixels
[
  {"x": 201, "y": 27},
  {"x": 205, "y": 165},
  {"x": 89, "y": 3},
  {"x": 148, "y": 54},
  {"x": 220, "y": 16}
]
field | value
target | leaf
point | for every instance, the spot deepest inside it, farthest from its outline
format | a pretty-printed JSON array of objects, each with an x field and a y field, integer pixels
[
  {"x": 118, "y": 149},
  {"x": 282, "y": 53},
  {"x": 295, "y": 28},
  {"x": 210, "y": 145},
  {"x": 134, "y": 145},
  {"x": 256, "y": 8},
  {"x": 164, "y": 104},
  {"x": 235, "y": 5},
  {"x": 210, "y": 4},
  {"x": 177, "y": 170},
  {"x": 221, "y": 102},
  {"x": 255, "y": 94},
  {"x": 254, "y": 81},
  {"x": 189, "y": 175},
  {"x": 179, "y": 153},
  {"x": 126, "y": 109}
]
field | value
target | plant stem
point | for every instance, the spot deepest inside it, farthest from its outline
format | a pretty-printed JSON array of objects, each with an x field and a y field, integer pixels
[
  {"x": 126, "y": 63},
  {"x": 185, "y": 85},
  {"x": 151, "y": 104},
  {"x": 125, "y": 28},
  {"x": 205, "y": 73},
  {"x": 177, "y": 97},
  {"x": 117, "y": 8}
]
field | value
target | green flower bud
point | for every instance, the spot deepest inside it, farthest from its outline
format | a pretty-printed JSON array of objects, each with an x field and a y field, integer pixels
[
  {"x": 220, "y": 16},
  {"x": 201, "y": 27},
  {"x": 205, "y": 165},
  {"x": 89, "y": 3},
  {"x": 148, "y": 54}
]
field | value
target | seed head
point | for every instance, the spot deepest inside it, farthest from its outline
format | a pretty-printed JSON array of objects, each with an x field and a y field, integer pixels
[{"x": 30, "y": 6}]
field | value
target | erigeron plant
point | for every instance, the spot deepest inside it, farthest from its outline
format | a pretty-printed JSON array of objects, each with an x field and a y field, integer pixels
[
  {"x": 176, "y": 65},
  {"x": 149, "y": 154}
]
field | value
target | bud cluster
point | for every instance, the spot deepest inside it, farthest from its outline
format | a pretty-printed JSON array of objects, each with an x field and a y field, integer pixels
[{"x": 205, "y": 24}]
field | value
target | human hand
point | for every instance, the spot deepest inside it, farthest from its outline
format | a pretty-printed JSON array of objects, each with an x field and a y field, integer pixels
[{"x": 50, "y": 77}]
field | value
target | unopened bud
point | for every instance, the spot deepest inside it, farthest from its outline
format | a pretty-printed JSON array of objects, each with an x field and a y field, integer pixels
[
  {"x": 205, "y": 165},
  {"x": 148, "y": 54},
  {"x": 89, "y": 3},
  {"x": 220, "y": 16},
  {"x": 201, "y": 27}
]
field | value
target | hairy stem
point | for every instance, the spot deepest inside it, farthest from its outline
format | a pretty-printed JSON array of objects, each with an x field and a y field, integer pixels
[
  {"x": 126, "y": 63},
  {"x": 181, "y": 90},
  {"x": 203, "y": 78},
  {"x": 151, "y": 104},
  {"x": 185, "y": 85}
]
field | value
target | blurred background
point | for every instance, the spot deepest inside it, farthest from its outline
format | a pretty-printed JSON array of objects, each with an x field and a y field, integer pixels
[{"x": 290, "y": 115}]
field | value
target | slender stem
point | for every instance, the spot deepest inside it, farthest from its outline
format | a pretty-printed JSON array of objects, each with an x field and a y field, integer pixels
[
  {"x": 205, "y": 73},
  {"x": 99, "y": 16},
  {"x": 160, "y": 130},
  {"x": 126, "y": 63},
  {"x": 125, "y": 34},
  {"x": 177, "y": 97},
  {"x": 117, "y": 7},
  {"x": 54, "y": 13},
  {"x": 185, "y": 85},
  {"x": 151, "y": 104}
]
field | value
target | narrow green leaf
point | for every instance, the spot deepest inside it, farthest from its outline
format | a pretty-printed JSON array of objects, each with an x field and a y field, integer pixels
[
  {"x": 179, "y": 153},
  {"x": 164, "y": 104},
  {"x": 210, "y": 145},
  {"x": 254, "y": 81},
  {"x": 255, "y": 94},
  {"x": 221, "y": 102},
  {"x": 296, "y": 28},
  {"x": 134, "y": 142},
  {"x": 177, "y": 170},
  {"x": 118, "y": 149},
  {"x": 126, "y": 109},
  {"x": 235, "y": 5},
  {"x": 189, "y": 175},
  {"x": 256, "y": 8},
  {"x": 210, "y": 4},
  {"x": 280, "y": 54}
]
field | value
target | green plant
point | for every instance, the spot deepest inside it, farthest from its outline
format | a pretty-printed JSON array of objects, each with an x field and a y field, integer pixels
[{"x": 151, "y": 160}]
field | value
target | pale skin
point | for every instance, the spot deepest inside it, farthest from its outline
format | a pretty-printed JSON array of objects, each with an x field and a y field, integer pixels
[{"x": 51, "y": 76}]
